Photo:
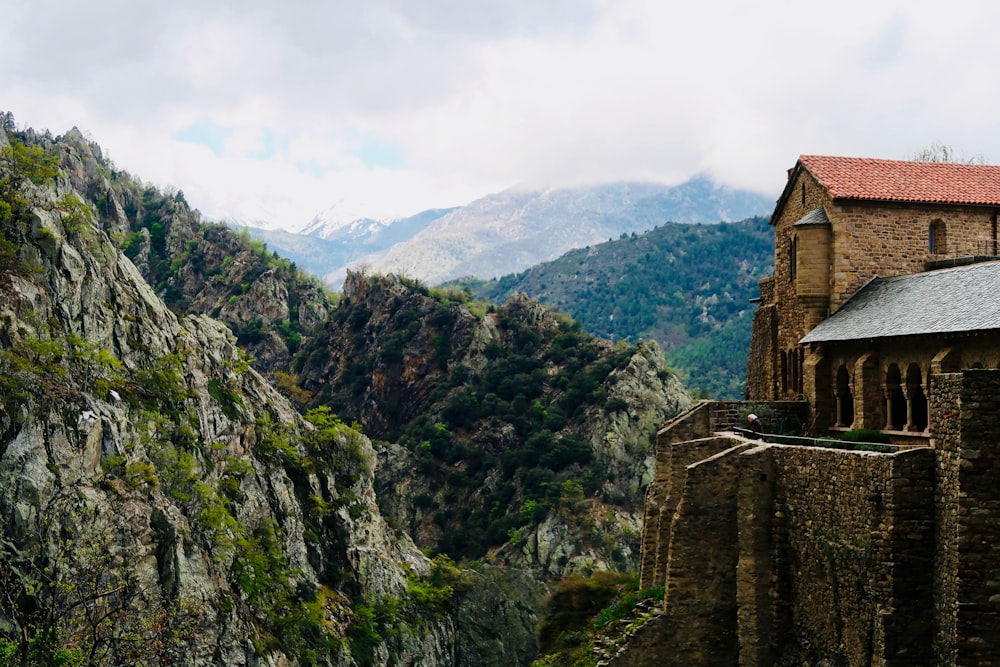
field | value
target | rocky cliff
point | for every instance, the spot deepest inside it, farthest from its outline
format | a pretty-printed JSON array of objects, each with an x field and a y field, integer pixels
[
  {"x": 160, "y": 501},
  {"x": 145, "y": 460},
  {"x": 506, "y": 433}
]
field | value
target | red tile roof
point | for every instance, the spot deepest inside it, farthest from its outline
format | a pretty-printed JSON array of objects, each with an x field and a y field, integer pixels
[{"x": 900, "y": 180}]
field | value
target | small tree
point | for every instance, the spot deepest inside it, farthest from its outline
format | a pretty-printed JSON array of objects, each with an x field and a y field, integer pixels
[{"x": 939, "y": 152}]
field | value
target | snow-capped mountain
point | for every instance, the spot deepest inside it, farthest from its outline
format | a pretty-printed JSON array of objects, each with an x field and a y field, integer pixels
[{"x": 505, "y": 232}]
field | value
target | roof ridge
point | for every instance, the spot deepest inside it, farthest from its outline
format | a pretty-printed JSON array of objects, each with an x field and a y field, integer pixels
[{"x": 879, "y": 179}]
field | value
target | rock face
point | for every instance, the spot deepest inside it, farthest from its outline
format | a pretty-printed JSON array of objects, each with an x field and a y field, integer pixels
[
  {"x": 143, "y": 456},
  {"x": 160, "y": 501},
  {"x": 518, "y": 439}
]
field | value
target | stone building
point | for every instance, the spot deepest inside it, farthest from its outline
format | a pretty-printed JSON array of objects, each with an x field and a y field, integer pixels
[
  {"x": 883, "y": 313},
  {"x": 851, "y": 321}
]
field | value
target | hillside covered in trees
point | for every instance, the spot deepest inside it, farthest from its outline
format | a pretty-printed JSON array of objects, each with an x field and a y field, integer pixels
[
  {"x": 686, "y": 286},
  {"x": 141, "y": 352}
]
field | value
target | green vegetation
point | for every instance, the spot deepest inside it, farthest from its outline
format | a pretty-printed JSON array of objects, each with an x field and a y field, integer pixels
[
  {"x": 539, "y": 384},
  {"x": 21, "y": 167},
  {"x": 582, "y": 609},
  {"x": 429, "y": 598},
  {"x": 685, "y": 286},
  {"x": 538, "y": 387}
]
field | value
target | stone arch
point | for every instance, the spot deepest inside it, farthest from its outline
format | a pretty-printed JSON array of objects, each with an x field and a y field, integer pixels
[
  {"x": 845, "y": 398},
  {"x": 937, "y": 237},
  {"x": 916, "y": 399},
  {"x": 895, "y": 400}
]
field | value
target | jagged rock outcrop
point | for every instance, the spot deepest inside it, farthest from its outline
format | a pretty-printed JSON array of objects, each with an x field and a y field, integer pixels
[
  {"x": 196, "y": 267},
  {"x": 134, "y": 421},
  {"x": 521, "y": 439},
  {"x": 160, "y": 501}
]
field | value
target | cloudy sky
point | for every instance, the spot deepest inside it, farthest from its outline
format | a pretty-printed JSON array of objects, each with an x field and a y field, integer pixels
[{"x": 277, "y": 111}]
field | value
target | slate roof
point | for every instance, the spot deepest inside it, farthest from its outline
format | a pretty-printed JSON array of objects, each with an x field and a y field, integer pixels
[
  {"x": 905, "y": 181},
  {"x": 817, "y": 216},
  {"x": 965, "y": 298}
]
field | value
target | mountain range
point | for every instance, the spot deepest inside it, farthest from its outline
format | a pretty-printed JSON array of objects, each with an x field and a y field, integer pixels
[{"x": 505, "y": 232}]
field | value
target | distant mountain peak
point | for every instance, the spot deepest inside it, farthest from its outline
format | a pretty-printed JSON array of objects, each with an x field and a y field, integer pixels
[
  {"x": 508, "y": 231},
  {"x": 342, "y": 220}
]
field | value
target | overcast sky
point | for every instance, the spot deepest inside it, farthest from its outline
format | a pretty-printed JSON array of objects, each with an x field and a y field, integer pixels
[{"x": 276, "y": 111}]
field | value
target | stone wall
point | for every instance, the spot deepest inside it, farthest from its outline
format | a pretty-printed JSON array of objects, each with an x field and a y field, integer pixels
[
  {"x": 967, "y": 585},
  {"x": 838, "y": 518},
  {"x": 762, "y": 379},
  {"x": 806, "y": 197},
  {"x": 698, "y": 626},
  {"x": 908, "y": 611},
  {"x": 773, "y": 554},
  {"x": 792, "y": 555},
  {"x": 885, "y": 240},
  {"x": 672, "y": 463},
  {"x": 946, "y": 437},
  {"x": 693, "y": 429}
]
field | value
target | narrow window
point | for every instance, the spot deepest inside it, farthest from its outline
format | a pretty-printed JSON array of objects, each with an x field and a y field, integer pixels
[
  {"x": 845, "y": 398},
  {"x": 937, "y": 238},
  {"x": 917, "y": 400},
  {"x": 793, "y": 251},
  {"x": 795, "y": 370},
  {"x": 803, "y": 194}
]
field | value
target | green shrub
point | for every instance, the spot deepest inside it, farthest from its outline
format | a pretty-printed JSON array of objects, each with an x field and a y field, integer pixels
[
  {"x": 576, "y": 601},
  {"x": 867, "y": 435}
]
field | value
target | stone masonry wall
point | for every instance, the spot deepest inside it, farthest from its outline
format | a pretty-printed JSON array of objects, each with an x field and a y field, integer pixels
[
  {"x": 887, "y": 240},
  {"x": 763, "y": 372},
  {"x": 791, "y": 316},
  {"x": 794, "y": 555},
  {"x": 661, "y": 503},
  {"x": 701, "y": 582},
  {"x": 967, "y": 585},
  {"x": 833, "y": 550},
  {"x": 699, "y": 625},
  {"x": 945, "y": 400},
  {"x": 694, "y": 428},
  {"x": 908, "y": 612}
]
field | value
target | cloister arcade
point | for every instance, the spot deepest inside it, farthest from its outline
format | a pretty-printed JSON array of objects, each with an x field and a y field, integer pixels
[{"x": 886, "y": 385}]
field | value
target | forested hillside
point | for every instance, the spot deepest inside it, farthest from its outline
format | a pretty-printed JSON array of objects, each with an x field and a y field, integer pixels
[
  {"x": 516, "y": 430},
  {"x": 131, "y": 337},
  {"x": 686, "y": 286}
]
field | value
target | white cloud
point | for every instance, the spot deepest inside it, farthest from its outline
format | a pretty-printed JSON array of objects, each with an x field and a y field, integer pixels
[{"x": 394, "y": 106}]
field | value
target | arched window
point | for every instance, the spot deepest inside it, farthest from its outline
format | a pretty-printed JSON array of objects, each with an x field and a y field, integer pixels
[
  {"x": 896, "y": 401},
  {"x": 937, "y": 237},
  {"x": 845, "y": 398},
  {"x": 917, "y": 399}
]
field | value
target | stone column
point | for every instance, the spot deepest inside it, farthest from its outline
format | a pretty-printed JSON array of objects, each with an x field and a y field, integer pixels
[
  {"x": 909, "y": 407},
  {"x": 887, "y": 394}
]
